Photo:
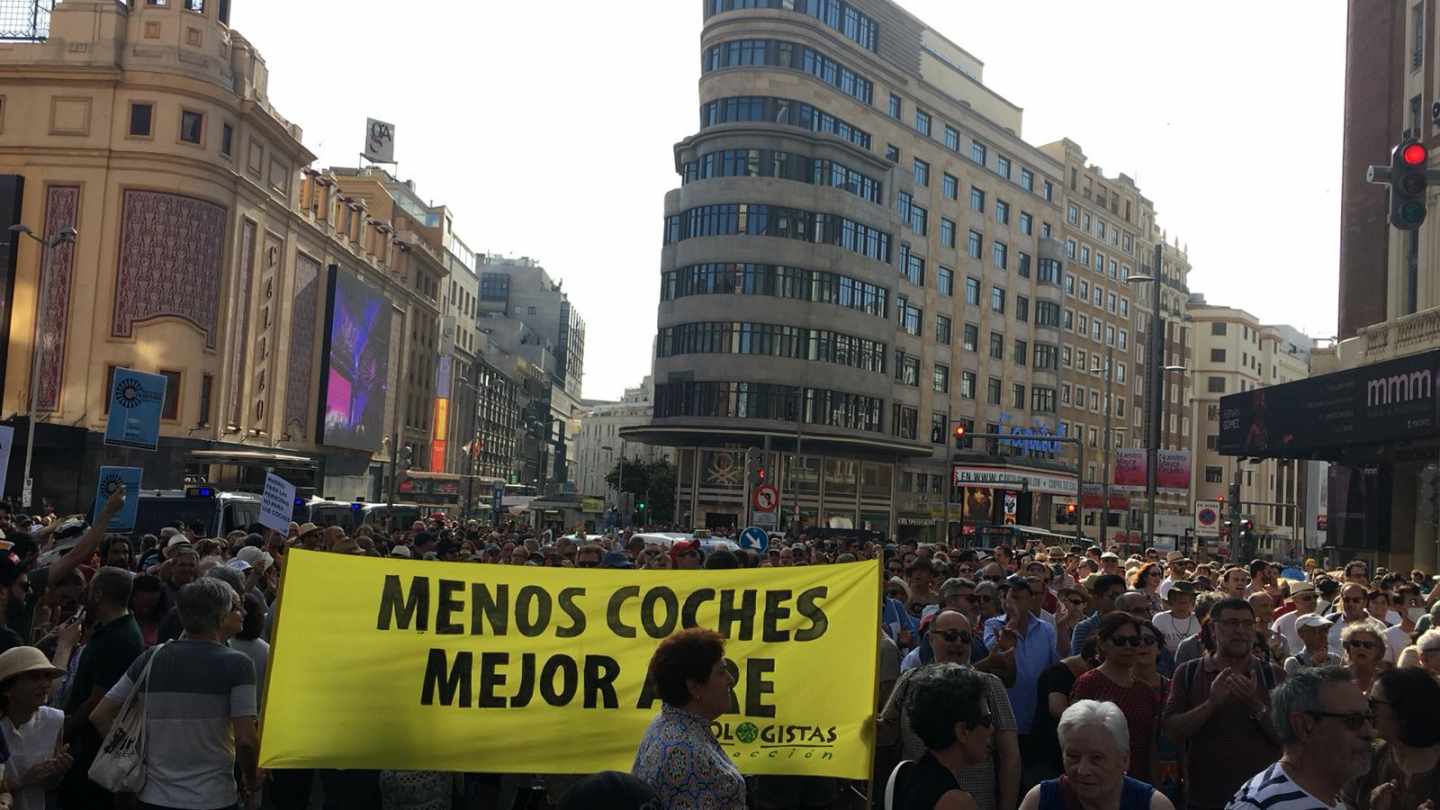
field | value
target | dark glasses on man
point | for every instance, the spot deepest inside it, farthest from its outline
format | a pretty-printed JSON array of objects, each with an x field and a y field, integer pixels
[
  {"x": 952, "y": 636},
  {"x": 1361, "y": 644}
]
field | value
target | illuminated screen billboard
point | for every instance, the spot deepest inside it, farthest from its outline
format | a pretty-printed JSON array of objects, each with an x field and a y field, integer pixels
[{"x": 357, "y": 364}]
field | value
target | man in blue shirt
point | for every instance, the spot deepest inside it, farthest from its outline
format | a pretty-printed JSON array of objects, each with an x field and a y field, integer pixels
[
  {"x": 1034, "y": 644},
  {"x": 1104, "y": 590}
]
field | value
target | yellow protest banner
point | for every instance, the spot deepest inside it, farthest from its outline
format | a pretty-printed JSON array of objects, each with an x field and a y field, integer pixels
[{"x": 410, "y": 665}]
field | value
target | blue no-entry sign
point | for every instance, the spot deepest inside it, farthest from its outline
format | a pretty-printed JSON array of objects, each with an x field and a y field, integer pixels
[{"x": 755, "y": 538}]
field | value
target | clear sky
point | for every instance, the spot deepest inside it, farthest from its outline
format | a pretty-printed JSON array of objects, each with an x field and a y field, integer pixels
[{"x": 548, "y": 127}]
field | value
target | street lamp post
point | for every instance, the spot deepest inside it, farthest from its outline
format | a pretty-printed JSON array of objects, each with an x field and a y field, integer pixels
[
  {"x": 1155, "y": 380},
  {"x": 47, "y": 251},
  {"x": 1105, "y": 473}
]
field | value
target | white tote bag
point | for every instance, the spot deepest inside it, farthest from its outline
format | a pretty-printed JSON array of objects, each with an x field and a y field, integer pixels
[{"x": 120, "y": 765}]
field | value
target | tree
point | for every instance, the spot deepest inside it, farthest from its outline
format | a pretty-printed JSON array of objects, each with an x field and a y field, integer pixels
[{"x": 652, "y": 484}]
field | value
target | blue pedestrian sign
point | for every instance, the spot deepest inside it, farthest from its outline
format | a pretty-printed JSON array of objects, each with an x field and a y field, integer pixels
[{"x": 755, "y": 538}]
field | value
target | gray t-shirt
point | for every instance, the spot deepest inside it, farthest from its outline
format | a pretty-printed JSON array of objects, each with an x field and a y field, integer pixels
[{"x": 196, "y": 688}]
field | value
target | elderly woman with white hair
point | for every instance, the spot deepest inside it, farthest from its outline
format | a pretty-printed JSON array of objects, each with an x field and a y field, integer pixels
[
  {"x": 1095, "y": 739},
  {"x": 1429, "y": 646},
  {"x": 1364, "y": 645}
]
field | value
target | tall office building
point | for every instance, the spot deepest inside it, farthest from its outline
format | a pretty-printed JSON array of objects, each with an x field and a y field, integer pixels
[
  {"x": 1233, "y": 353},
  {"x": 864, "y": 254}
]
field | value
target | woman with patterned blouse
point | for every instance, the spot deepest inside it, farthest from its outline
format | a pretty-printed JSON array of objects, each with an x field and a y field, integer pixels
[{"x": 678, "y": 757}]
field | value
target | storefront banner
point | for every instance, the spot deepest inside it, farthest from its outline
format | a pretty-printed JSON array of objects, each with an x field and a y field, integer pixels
[
  {"x": 385, "y": 663},
  {"x": 1009, "y": 478}
]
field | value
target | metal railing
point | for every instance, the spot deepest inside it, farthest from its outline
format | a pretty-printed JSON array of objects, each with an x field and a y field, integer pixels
[{"x": 25, "y": 20}]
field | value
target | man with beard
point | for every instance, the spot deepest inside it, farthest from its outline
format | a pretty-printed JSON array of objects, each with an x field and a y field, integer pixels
[{"x": 1219, "y": 710}]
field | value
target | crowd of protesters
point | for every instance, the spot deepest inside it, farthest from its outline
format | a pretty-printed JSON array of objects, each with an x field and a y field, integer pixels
[{"x": 1009, "y": 678}]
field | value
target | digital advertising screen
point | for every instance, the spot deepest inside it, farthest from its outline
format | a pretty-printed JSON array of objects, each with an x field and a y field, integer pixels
[{"x": 357, "y": 365}]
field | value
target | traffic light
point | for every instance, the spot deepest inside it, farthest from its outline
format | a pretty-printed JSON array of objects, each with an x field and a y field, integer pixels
[
  {"x": 1247, "y": 539},
  {"x": 755, "y": 467},
  {"x": 959, "y": 432},
  {"x": 1408, "y": 163},
  {"x": 640, "y": 506}
]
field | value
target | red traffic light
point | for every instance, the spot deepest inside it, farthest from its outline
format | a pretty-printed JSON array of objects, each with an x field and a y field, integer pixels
[
  {"x": 1070, "y": 508},
  {"x": 1414, "y": 154},
  {"x": 760, "y": 474},
  {"x": 959, "y": 431}
]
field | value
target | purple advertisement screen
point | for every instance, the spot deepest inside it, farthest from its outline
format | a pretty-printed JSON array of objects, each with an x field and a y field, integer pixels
[{"x": 355, "y": 386}]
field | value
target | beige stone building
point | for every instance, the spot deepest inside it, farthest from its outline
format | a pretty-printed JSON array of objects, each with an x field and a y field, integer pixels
[
  {"x": 1233, "y": 353},
  {"x": 204, "y": 253}
]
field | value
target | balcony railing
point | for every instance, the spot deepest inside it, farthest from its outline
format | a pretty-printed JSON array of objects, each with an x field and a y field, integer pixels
[
  {"x": 25, "y": 20},
  {"x": 1410, "y": 334}
]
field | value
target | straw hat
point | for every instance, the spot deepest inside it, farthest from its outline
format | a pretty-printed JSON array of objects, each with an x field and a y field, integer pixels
[{"x": 21, "y": 660}]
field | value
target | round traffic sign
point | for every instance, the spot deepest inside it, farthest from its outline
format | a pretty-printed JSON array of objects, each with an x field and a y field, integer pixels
[
  {"x": 754, "y": 538},
  {"x": 766, "y": 498},
  {"x": 1208, "y": 516}
]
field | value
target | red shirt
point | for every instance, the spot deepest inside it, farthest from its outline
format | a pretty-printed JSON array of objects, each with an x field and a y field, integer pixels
[{"x": 1141, "y": 706}]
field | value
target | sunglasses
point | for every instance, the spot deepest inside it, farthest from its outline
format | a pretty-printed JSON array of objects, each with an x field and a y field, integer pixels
[
  {"x": 1361, "y": 644},
  {"x": 952, "y": 636},
  {"x": 1132, "y": 641},
  {"x": 1352, "y": 720}
]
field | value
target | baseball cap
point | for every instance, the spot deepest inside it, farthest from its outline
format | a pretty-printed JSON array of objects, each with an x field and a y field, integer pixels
[
  {"x": 1312, "y": 620},
  {"x": 683, "y": 546},
  {"x": 255, "y": 557},
  {"x": 615, "y": 559},
  {"x": 239, "y": 565},
  {"x": 1110, "y": 555},
  {"x": 401, "y": 551}
]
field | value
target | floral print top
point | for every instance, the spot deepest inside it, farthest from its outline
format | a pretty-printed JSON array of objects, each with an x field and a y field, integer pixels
[{"x": 686, "y": 767}]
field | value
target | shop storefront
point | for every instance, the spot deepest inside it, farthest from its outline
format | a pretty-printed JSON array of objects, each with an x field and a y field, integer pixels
[{"x": 828, "y": 491}]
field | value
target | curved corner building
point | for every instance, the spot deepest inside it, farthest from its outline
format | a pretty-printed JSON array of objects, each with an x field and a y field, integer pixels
[{"x": 860, "y": 256}]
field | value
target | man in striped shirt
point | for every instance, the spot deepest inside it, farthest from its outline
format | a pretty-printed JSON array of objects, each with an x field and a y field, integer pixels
[{"x": 1326, "y": 728}]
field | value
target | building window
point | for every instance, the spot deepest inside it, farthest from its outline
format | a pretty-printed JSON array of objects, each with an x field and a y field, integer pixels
[
  {"x": 922, "y": 172},
  {"x": 1001, "y": 254},
  {"x": 892, "y": 153},
  {"x": 1024, "y": 268},
  {"x": 1022, "y": 309},
  {"x": 947, "y": 232},
  {"x": 1022, "y": 352},
  {"x": 192, "y": 126},
  {"x": 972, "y": 291},
  {"x": 973, "y": 245},
  {"x": 942, "y": 330},
  {"x": 977, "y": 200},
  {"x": 967, "y": 384},
  {"x": 945, "y": 280},
  {"x": 195, "y": 5},
  {"x": 971, "y": 336},
  {"x": 997, "y": 346},
  {"x": 977, "y": 152},
  {"x": 170, "y": 411},
  {"x": 895, "y": 106},
  {"x": 1027, "y": 179},
  {"x": 1217, "y": 355},
  {"x": 992, "y": 391},
  {"x": 227, "y": 140},
  {"x": 1214, "y": 475},
  {"x": 1002, "y": 212},
  {"x": 207, "y": 386},
  {"x": 950, "y": 186},
  {"x": 1002, "y": 166},
  {"x": 1049, "y": 192},
  {"x": 922, "y": 122},
  {"x": 1017, "y": 400},
  {"x": 1217, "y": 328},
  {"x": 142, "y": 120},
  {"x": 997, "y": 300},
  {"x": 940, "y": 380},
  {"x": 1216, "y": 385},
  {"x": 952, "y": 139},
  {"x": 1027, "y": 224}
]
